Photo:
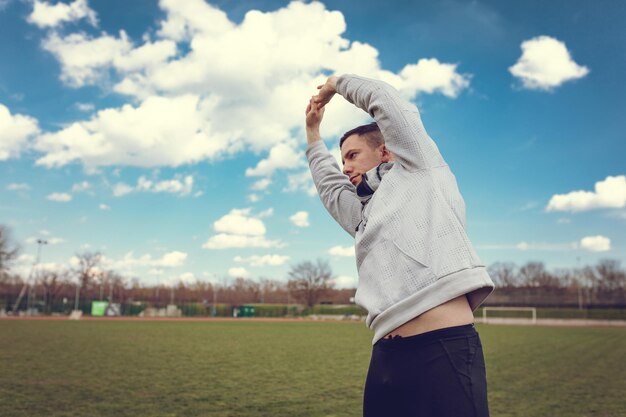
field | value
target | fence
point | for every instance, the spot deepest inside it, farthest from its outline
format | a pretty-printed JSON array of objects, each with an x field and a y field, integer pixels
[{"x": 547, "y": 298}]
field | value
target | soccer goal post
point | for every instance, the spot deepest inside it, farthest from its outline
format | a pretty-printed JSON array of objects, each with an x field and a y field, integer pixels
[{"x": 533, "y": 310}]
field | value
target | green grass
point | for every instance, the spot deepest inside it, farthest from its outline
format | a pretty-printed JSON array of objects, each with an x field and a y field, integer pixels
[
  {"x": 91, "y": 368},
  {"x": 560, "y": 313}
]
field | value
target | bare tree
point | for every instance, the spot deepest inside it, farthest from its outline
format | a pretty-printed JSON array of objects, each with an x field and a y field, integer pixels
[
  {"x": 272, "y": 291},
  {"x": 567, "y": 278},
  {"x": 8, "y": 250},
  {"x": 310, "y": 281},
  {"x": 590, "y": 277},
  {"x": 504, "y": 274},
  {"x": 53, "y": 283},
  {"x": 86, "y": 270},
  {"x": 534, "y": 274},
  {"x": 609, "y": 275},
  {"x": 245, "y": 290},
  {"x": 117, "y": 287}
]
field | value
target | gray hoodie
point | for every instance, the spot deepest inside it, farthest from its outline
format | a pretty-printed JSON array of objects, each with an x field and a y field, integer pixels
[{"x": 412, "y": 251}]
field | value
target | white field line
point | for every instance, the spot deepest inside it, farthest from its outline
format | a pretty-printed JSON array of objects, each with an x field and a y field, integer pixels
[{"x": 552, "y": 322}]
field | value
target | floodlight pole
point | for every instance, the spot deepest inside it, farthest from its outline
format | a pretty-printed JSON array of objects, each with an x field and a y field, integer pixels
[
  {"x": 101, "y": 285},
  {"x": 30, "y": 275},
  {"x": 580, "y": 289},
  {"x": 77, "y": 296},
  {"x": 214, "y": 309}
]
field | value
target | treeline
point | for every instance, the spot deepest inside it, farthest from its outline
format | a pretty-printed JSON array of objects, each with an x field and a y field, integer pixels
[
  {"x": 308, "y": 283},
  {"x": 606, "y": 275},
  {"x": 48, "y": 291},
  {"x": 599, "y": 286}
]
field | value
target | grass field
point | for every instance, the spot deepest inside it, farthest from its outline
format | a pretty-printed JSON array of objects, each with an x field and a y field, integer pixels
[{"x": 108, "y": 368}]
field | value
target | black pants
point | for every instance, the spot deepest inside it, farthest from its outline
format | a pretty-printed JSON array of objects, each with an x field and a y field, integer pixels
[{"x": 433, "y": 374}]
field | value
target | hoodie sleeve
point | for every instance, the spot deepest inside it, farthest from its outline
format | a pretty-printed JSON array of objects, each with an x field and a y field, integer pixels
[
  {"x": 335, "y": 190},
  {"x": 399, "y": 121}
]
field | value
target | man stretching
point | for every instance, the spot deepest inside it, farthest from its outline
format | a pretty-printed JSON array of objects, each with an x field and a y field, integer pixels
[{"x": 419, "y": 277}]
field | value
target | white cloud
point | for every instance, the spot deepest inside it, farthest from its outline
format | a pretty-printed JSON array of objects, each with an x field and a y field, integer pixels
[
  {"x": 18, "y": 187},
  {"x": 169, "y": 186},
  {"x": 174, "y": 186},
  {"x": 85, "y": 107},
  {"x": 104, "y": 207},
  {"x": 281, "y": 156},
  {"x": 60, "y": 197},
  {"x": 261, "y": 184},
  {"x": 188, "y": 18},
  {"x": 254, "y": 198},
  {"x": 79, "y": 65},
  {"x": 172, "y": 259},
  {"x": 15, "y": 131},
  {"x": 187, "y": 277},
  {"x": 595, "y": 243},
  {"x": 345, "y": 281},
  {"x": 174, "y": 281},
  {"x": 610, "y": 193},
  {"x": 265, "y": 260},
  {"x": 532, "y": 246},
  {"x": 26, "y": 258},
  {"x": 239, "y": 229},
  {"x": 80, "y": 187},
  {"x": 202, "y": 102},
  {"x": 545, "y": 64},
  {"x": 120, "y": 189},
  {"x": 301, "y": 182},
  {"x": 226, "y": 241},
  {"x": 589, "y": 243},
  {"x": 300, "y": 219},
  {"x": 45, "y": 15},
  {"x": 341, "y": 251},
  {"x": 336, "y": 153},
  {"x": 620, "y": 215},
  {"x": 266, "y": 213},
  {"x": 142, "y": 136},
  {"x": 430, "y": 76},
  {"x": 48, "y": 239},
  {"x": 239, "y": 272},
  {"x": 541, "y": 246},
  {"x": 239, "y": 222},
  {"x": 23, "y": 268},
  {"x": 129, "y": 261}
]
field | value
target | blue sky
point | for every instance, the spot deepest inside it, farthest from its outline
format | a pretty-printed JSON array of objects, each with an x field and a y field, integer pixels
[{"x": 168, "y": 134}]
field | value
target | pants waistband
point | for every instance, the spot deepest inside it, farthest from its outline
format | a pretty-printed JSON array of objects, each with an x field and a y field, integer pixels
[{"x": 430, "y": 337}]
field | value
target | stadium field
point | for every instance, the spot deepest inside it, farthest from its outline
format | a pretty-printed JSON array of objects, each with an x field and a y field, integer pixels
[{"x": 291, "y": 369}]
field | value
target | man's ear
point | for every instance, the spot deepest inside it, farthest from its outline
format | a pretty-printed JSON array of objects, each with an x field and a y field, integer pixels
[{"x": 385, "y": 154}]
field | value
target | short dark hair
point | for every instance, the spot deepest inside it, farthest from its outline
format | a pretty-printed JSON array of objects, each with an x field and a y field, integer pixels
[{"x": 370, "y": 131}]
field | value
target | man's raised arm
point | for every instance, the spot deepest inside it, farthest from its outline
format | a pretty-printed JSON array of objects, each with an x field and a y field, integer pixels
[
  {"x": 398, "y": 120},
  {"x": 335, "y": 190}
]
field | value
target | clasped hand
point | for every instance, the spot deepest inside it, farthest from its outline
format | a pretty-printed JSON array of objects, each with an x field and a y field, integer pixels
[{"x": 315, "y": 109}]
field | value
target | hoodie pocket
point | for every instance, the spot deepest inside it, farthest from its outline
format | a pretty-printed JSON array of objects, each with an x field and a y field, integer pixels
[{"x": 387, "y": 275}]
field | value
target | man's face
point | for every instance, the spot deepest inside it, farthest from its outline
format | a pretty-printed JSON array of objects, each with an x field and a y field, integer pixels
[{"x": 358, "y": 157}]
